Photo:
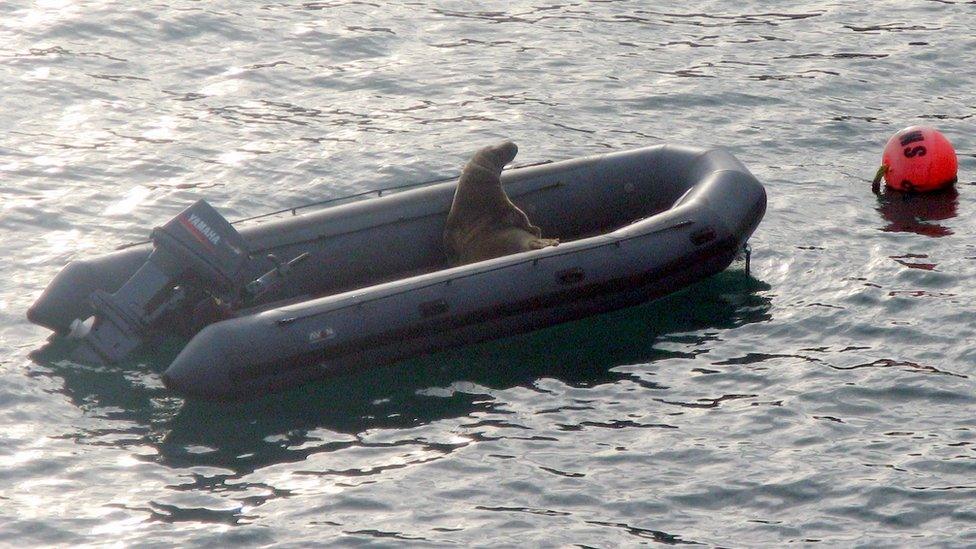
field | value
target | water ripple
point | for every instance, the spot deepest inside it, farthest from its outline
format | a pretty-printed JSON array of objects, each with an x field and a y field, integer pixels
[{"x": 823, "y": 399}]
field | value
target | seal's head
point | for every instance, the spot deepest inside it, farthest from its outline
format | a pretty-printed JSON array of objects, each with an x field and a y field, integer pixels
[
  {"x": 489, "y": 162},
  {"x": 503, "y": 153}
]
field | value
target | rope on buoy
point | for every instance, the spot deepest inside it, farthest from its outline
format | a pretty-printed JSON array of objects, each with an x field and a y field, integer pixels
[{"x": 878, "y": 176}]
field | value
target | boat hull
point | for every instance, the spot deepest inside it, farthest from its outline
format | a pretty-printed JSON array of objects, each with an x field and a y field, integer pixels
[{"x": 661, "y": 218}]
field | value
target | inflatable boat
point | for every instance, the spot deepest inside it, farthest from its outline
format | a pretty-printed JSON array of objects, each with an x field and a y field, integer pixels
[{"x": 346, "y": 288}]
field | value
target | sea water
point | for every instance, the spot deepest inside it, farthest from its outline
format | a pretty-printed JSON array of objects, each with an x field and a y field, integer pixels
[{"x": 825, "y": 396}]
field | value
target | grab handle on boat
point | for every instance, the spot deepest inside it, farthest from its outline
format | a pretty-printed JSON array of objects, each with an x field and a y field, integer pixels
[
  {"x": 570, "y": 276},
  {"x": 433, "y": 308},
  {"x": 703, "y": 236}
]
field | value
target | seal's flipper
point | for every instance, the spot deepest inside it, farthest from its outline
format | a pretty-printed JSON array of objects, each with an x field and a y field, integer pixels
[{"x": 540, "y": 243}]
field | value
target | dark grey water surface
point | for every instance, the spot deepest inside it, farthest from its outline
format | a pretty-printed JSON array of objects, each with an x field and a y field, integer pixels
[{"x": 827, "y": 397}]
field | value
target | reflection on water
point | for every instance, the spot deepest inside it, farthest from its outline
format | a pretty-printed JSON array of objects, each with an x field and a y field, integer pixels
[
  {"x": 917, "y": 213},
  {"x": 288, "y": 427},
  {"x": 860, "y": 427}
]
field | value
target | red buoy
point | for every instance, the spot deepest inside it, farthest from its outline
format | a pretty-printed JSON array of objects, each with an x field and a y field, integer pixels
[{"x": 918, "y": 158}]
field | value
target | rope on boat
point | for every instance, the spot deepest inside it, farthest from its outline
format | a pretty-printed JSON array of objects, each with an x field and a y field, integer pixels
[{"x": 363, "y": 194}]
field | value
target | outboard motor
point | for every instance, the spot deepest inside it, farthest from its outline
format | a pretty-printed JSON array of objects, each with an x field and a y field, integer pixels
[{"x": 196, "y": 249}]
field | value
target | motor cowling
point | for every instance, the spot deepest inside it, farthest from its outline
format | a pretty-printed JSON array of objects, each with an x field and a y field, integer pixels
[{"x": 197, "y": 249}]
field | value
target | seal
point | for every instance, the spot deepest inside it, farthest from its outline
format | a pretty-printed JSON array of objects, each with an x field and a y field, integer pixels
[{"x": 483, "y": 222}]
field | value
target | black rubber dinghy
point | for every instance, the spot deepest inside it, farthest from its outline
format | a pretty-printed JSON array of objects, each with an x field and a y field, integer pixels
[{"x": 374, "y": 286}]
